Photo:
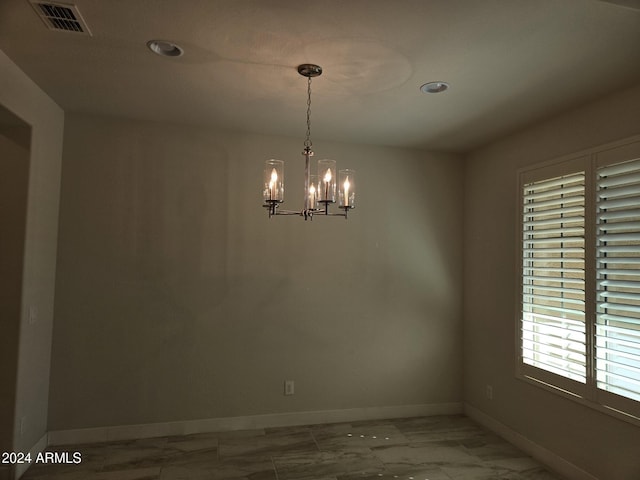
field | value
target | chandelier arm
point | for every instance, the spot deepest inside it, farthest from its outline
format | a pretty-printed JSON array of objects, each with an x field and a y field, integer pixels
[
  {"x": 331, "y": 214},
  {"x": 289, "y": 212}
]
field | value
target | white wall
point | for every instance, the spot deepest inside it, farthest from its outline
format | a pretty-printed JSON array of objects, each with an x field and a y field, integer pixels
[
  {"x": 602, "y": 445},
  {"x": 21, "y": 96},
  {"x": 178, "y": 299}
]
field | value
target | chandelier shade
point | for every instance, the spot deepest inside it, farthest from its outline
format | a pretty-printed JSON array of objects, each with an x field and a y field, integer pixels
[
  {"x": 274, "y": 181},
  {"x": 347, "y": 182},
  {"x": 314, "y": 192},
  {"x": 320, "y": 190},
  {"x": 327, "y": 173}
]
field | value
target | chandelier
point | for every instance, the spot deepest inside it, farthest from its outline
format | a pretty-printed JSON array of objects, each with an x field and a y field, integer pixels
[{"x": 321, "y": 189}]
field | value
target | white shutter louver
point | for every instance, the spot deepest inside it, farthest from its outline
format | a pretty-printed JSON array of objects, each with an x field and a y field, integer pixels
[
  {"x": 553, "y": 276},
  {"x": 617, "y": 346}
]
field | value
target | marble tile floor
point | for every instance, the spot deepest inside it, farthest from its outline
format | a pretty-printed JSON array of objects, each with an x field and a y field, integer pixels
[{"x": 424, "y": 448}]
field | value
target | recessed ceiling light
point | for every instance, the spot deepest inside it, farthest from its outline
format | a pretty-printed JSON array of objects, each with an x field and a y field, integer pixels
[
  {"x": 165, "y": 48},
  {"x": 434, "y": 87}
]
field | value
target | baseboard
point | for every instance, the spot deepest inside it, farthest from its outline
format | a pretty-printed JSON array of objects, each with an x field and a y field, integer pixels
[
  {"x": 544, "y": 456},
  {"x": 5, "y": 472},
  {"x": 40, "y": 446},
  {"x": 187, "y": 427}
]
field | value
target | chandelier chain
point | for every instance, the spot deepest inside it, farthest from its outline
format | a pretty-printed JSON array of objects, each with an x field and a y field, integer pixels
[{"x": 307, "y": 142}]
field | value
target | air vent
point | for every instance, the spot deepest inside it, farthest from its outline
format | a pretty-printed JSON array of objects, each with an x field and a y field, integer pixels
[{"x": 61, "y": 17}]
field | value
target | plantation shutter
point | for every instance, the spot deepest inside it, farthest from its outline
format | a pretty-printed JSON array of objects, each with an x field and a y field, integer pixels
[
  {"x": 617, "y": 343},
  {"x": 553, "y": 276}
]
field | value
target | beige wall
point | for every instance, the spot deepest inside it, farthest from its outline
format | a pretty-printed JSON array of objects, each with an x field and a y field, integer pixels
[
  {"x": 177, "y": 298},
  {"x": 14, "y": 177},
  {"x": 21, "y": 96},
  {"x": 602, "y": 445}
]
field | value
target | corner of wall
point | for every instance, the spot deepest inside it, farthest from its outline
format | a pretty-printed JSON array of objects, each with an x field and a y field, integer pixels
[{"x": 26, "y": 100}]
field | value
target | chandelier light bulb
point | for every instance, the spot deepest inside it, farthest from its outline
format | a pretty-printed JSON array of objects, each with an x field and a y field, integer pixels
[
  {"x": 272, "y": 183},
  {"x": 346, "y": 191},
  {"x": 313, "y": 192}
]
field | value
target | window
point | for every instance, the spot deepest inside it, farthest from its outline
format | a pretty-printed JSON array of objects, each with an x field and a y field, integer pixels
[
  {"x": 553, "y": 324},
  {"x": 579, "y": 301},
  {"x": 617, "y": 348}
]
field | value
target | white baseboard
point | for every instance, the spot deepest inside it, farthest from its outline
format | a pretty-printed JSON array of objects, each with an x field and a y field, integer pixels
[
  {"x": 187, "y": 427},
  {"x": 547, "y": 457},
  {"x": 40, "y": 446}
]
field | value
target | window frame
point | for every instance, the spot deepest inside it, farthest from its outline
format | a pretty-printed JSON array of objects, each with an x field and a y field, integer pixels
[{"x": 587, "y": 161}]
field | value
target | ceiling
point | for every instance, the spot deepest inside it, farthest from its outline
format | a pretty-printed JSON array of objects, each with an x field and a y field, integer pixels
[{"x": 510, "y": 63}]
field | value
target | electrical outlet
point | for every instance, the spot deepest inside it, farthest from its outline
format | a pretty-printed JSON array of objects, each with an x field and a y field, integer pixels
[
  {"x": 489, "y": 392},
  {"x": 289, "y": 387}
]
